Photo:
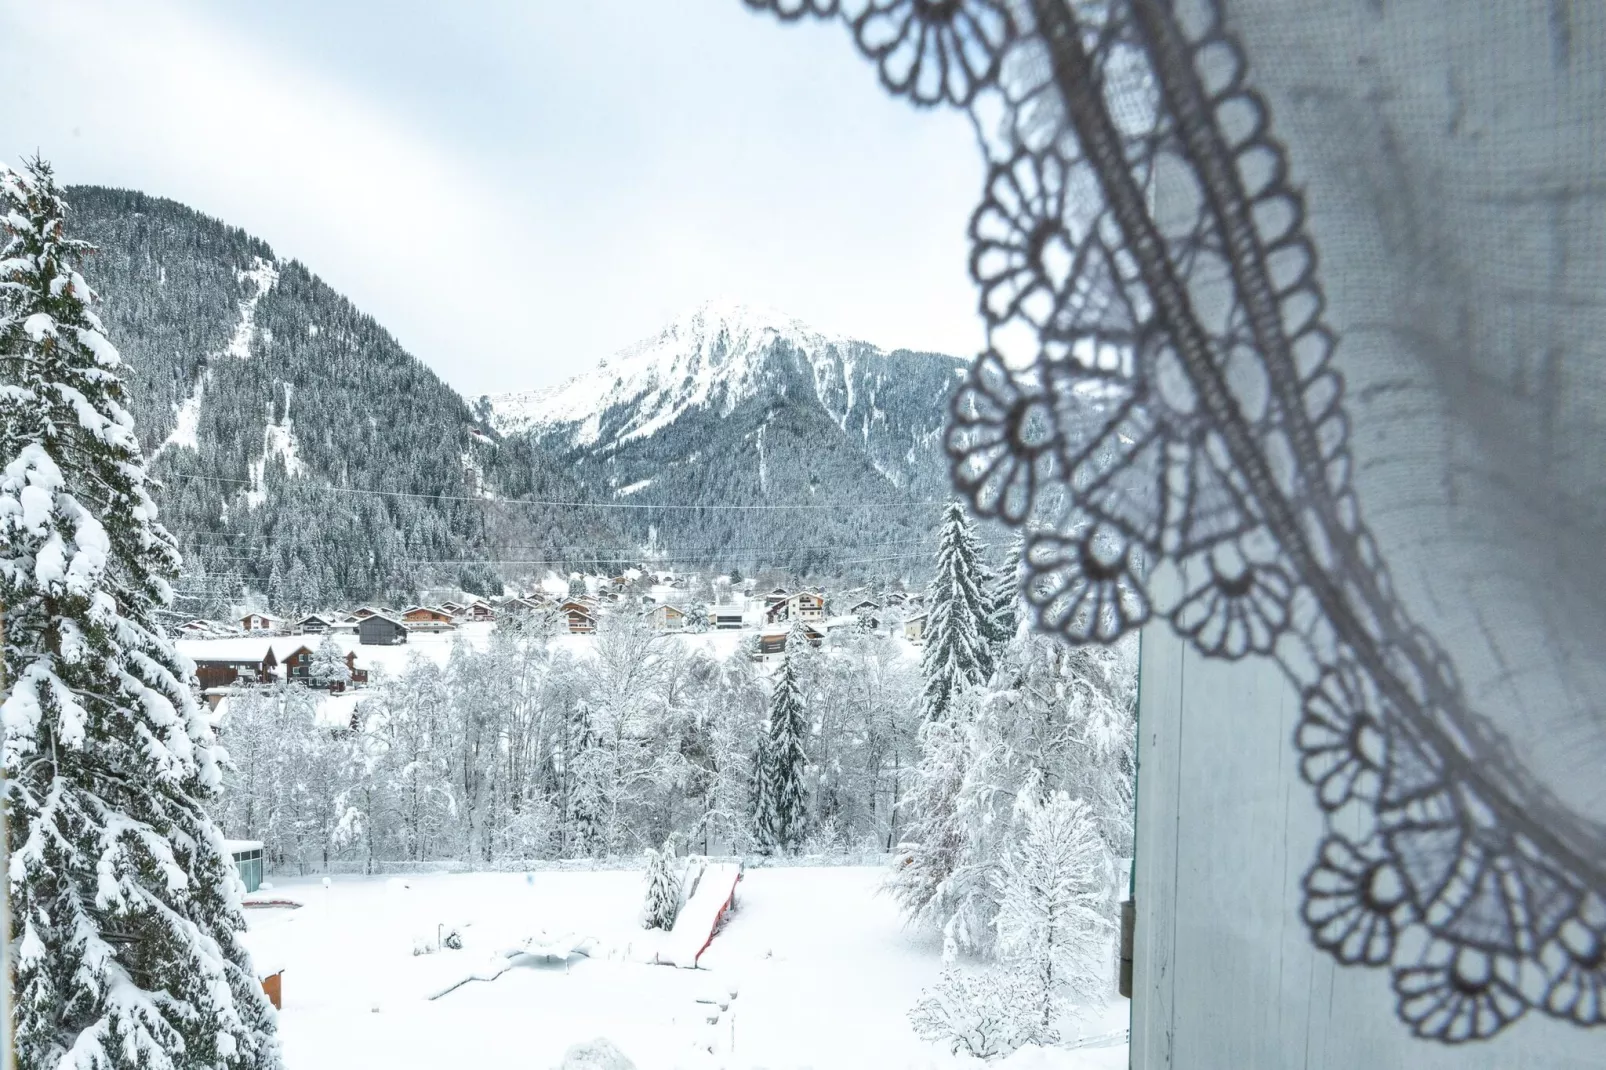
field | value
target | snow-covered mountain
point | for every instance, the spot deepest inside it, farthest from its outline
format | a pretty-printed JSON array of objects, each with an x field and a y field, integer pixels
[
  {"x": 302, "y": 451},
  {"x": 739, "y": 405},
  {"x": 305, "y": 453},
  {"x": 714, "y": 354},
  {"x": 721, "y": 355}
]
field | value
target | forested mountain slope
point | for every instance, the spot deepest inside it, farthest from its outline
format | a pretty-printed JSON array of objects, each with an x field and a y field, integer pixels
[
  {"x": 304, "y": 452},
  {"x": 831, "y": 447},
  {"x": 307, "y": 456}
]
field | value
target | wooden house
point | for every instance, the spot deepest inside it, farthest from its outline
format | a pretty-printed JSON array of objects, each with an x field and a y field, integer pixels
[
  {"x": 297, "y": 664},
  {"x": 776, "y": 597},
  {"x": 868, "y": 612},
  {"x": 805, "y": 605},
  {"x": 479, "y": 609},
  {"x": 809, "y": 605},
  {"x": 313, "y": 624},
  {"x": 427, "y": 619},
  {"x": 667, "y": 618},
  {"x": 772, "y": 641},
  {"x": 255, "y": 659},
  {"x": 914, "y": 627},
  {"x": 230, "y": 664},
  {"x": 297, "y": 668},
  {"x": 518, "y": 604},
  {"x": 581, "y": 616},
  {"x": 454, "y": 608},
  {"x": 259, "y": 622},
  {"x": 361, "y": 614},
  {"x": 197, "y": 627},
  {"x": 380, "y": 630}
]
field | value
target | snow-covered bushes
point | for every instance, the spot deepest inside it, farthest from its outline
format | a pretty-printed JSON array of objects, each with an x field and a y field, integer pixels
[
  {"x": 985, "y": 1013},
  {"x": 1055, "y": 885},
  {"x": 1052, "y": 719}
]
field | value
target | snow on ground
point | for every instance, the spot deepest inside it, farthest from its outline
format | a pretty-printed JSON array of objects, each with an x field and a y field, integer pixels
[
  {"x": 823, "y": 969},
  {"x": 186, "y": 420},
  {"x": 263, "y": 274}
]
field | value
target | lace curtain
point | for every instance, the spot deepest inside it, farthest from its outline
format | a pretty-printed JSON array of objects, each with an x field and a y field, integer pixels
[{"x": 1301, "y": 301}]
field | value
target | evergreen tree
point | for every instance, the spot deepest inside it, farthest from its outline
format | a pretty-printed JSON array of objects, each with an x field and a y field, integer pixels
[
  {"x": 785, "y": 810},
  {"x": 1003, "y": 601},
  {"x": 123, "y": 902},
  {"x": 328, "y": 666},
  {"x": 583, "y": 773},
  {"x": 663, "y": 888},
  {"x": 759, "y": 797},
  {"x": 958, "y": 651},
  {"x": 577, "y": 585}
]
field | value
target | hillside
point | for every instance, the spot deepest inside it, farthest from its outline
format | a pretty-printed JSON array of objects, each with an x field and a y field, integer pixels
[
  {"x": 830, "y": 446},
  {"x": 304, "y": 452},
  {"x": 305, "y": 455}
]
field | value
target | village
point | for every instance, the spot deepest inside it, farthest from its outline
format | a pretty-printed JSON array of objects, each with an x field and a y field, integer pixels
[{"x": 260, "y": 648}]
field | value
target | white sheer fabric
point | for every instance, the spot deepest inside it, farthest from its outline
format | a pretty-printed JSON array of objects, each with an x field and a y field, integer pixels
[{"x": 1301, "y": 302}]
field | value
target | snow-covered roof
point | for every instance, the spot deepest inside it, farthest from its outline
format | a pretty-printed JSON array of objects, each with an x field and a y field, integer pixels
[
  {"x": 235, "y": 847},
  {"x": 241, "y": 648}
]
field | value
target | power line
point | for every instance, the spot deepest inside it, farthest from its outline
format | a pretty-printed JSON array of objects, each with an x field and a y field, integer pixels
[
  {"x": 556, "y": 503},
  {"x": 249, "y": 541}
]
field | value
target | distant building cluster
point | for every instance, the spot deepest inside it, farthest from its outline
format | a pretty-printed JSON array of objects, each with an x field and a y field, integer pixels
[{"x": 261, "y": 648}]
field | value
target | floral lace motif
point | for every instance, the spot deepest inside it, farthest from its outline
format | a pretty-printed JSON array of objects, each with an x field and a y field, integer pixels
[{"x": 1159, "y": 394}]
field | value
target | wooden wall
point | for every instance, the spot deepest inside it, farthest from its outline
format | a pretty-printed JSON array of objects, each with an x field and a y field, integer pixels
[{"x": 1225, "y": 977}]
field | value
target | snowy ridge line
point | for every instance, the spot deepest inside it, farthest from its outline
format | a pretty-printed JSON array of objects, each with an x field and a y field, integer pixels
[
  {"x": 707, "y": 355},
  {"x": 560, "y": 503}
]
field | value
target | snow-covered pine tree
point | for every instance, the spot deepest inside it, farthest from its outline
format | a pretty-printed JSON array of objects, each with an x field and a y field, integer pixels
[
  {"x": 1053, "y": 918},
  {"x": 663, "y": 888},
  {"x": 577, "y": 585},
  {"x": 328, "y": 666},
  {"x": 1003, "y": 600},
  {"x": 583, "y": 772},
  {"x": 123, "y": 901},
  {"x": 784, "y": 816},
  {"x": 958, "y": 650},
  {"x": 759, "y": 799}
]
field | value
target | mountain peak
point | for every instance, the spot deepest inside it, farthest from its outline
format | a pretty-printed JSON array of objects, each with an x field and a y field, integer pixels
[
  {"x": 712, "y": 352},
  {"x": 739, "y": 319}
]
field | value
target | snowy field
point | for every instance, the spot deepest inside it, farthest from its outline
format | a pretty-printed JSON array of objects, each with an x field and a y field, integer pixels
[{"x": 823, "y": 970}]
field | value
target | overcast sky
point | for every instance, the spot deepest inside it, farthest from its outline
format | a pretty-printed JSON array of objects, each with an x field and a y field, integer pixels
[{"x": 518, "y": 189}]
